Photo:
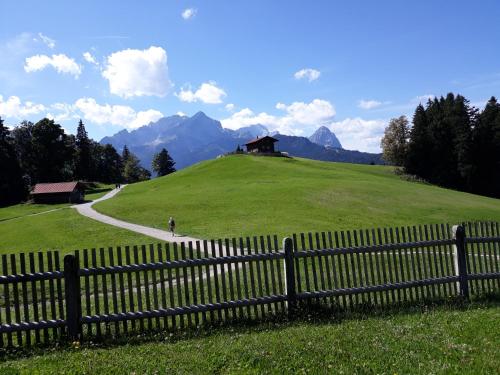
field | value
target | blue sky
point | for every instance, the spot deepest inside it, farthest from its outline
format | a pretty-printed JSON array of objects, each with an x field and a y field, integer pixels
[{"x": 290, "y": 65}]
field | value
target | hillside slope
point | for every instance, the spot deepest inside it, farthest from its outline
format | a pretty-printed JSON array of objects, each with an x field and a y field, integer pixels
[{"x": 247, "y": 195}]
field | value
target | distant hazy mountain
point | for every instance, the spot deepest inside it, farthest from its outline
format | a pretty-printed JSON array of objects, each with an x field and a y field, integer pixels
[
  {"x": 193, "y": 139},
  {"x": 324, "y": 137}
]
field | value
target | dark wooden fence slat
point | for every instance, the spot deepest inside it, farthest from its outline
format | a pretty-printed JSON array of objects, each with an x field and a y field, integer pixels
[
  {"x": 114, "y": 292},
  {"x": 86, "y": 281},
  {"x": 193, "y": 283},
  {"x": 239, "y": 295},
  {"x": 380, "y": 269},
  {"x": 185, "y": 285},
  {"x": 265, "y": 264},
  {"x": 146, "y": 288},
  {"x": 259, "y": 275},
  {"x": 155, "y": 284},
  {"x": 227, "y": 252},
  {"x": 298, "y": 278},
  {"x": 178, "y": 285},
  {"x": 340, "y": 271},
  {"x": 159, "y": 251},
  {"x": 171, "y": 295},
  {"x": 104, "y": 287},
  {"x": 245, "y": 276},
  {"x": 95, "y": 284},
  {"x": 370, "y": 256},
  {"x": 395, "y": 265},
  {"x": 389, "y": 265},
  {"x": 201, "y": 278},
  {"x": 359, "y": 279},
  {"x": 252, "y": 276},
  {"x": 43, "y": 295},
  {"x": 216, "y": 279},
  {"x": 6, "y": 296},
  {"x": 313, "y": 262},
  {"x": 223, "y": 279},
  {"x": 354, "y": 278},
  {"x": 130, "y": 286},
  {"x": 209, "y": 280},
  {"x": 60, "y": 299},
  {"x": 121, "y": 283},
  {"x": 272, "y": 263},
  {"x": 26, "y": 302},
  {"x": 53, "y": 314},
  {"x": 15, "y": 292}
]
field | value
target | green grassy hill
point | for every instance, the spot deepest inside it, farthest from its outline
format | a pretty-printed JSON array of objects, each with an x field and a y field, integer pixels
[{"x": 246, "y": 195}]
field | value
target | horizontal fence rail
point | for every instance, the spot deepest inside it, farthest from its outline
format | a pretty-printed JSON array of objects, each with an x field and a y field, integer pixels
[{"x": 113, "y": 291}]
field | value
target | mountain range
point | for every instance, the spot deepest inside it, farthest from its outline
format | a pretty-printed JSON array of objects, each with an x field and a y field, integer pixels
[{"x": 193, "y": 139}]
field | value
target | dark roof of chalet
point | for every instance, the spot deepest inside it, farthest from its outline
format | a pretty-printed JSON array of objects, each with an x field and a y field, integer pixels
[
  {"x": 256, "y": 140},
  {"x": 57, "y": 187}
]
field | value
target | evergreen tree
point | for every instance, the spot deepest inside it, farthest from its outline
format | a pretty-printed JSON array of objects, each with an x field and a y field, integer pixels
[
  {"x": 132, "y": 170},
  {"x": 163, "y": 164},
  {"x": 395, "y": 141},
  {"x": 417, "y": 160},
  {"x": 110, "y": 169},
  {"x": 12, "y": 187},
  {"x": 83, "y": 163},
  {"x": 485, "y": 150}
]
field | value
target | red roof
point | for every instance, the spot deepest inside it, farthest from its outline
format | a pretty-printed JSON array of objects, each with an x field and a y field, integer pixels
[
  {"x": 57, "y": 187},
  {"x": 260, "y": 139}
]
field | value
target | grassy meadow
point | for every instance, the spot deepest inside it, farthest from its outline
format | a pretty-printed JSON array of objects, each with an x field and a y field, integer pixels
[
  {"x": 421, "y": 340},
  {"x": 246, "y": 195}
]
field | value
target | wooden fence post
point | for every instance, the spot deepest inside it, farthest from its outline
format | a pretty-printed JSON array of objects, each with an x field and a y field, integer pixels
[
  {"x": 460, "y": 258},
  {"x": 290, "y": 291},
  {"x": 72, "y": 294}
]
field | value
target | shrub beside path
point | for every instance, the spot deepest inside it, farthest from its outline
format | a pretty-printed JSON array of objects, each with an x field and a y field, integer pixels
[{"x": 86, "y": 209}]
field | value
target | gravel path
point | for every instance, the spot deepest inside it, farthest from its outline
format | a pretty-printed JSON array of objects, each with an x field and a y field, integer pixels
[{"x": 86, "y": 209}]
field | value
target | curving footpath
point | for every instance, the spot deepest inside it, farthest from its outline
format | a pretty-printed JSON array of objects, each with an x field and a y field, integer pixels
[{"x": 86, "y": 209}]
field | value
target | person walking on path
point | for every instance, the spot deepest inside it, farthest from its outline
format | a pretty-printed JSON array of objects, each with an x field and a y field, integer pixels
[{"x": 171, "y": 225}]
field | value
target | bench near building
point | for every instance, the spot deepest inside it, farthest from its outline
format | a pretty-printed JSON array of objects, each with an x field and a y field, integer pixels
[{"x": 59, "y": 192}]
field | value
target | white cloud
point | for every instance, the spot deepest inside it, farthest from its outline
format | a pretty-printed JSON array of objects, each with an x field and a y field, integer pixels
[
  {"x": 180, "y": 113},
  {"x": 229, "y": 107},
  {"x": 359, "y": 134},
  {"x": 207, "y": 93},
  {"x": 423, "y": 98},
  {"x": 299, "y": 118},
  {"x": 115, "y": 114},
  {"x": 189, "y": 13},
  {"x": 369, "y": 104},
  {"x": 309, "y": 74},
  {"x": 61, "y": 63},
  {"x": 13, "y": 107},
  {"x": 134, "y": 72},
  {"x": 89, "y": 58},
  {"x": 51, "y": 43}
]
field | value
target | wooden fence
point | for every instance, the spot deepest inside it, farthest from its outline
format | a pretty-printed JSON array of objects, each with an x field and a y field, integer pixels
[{"x": 107, "y": 292}]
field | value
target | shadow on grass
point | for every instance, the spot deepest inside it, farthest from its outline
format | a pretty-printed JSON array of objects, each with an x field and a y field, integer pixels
[{"x": 311, "y": 313}]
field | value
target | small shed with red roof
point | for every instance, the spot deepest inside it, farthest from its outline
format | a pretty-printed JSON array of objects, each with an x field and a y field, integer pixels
[
  {"x": 59, "y": 192},
  {"x": 263, "y": 145}
]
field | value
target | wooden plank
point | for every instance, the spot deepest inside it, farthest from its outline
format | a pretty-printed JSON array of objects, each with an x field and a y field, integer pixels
[
  {"x": 121, "y": 283},
  {"x": 329, "y": 284},
  {"x": 159, "y": 251},
  {"x": 16, "y": 301},
  {"x": 252, "y": 276},
  {"x": 436, "y": 233},
  {"x": 445, "y": 232},
  {"x": 313, "y": 262},
  {"x": 230, "y": 276},
  {"x": 432, "y": 261},
  {"x": 95, "y": 282},
  {"x": 114, "y": 292},
  {"x": 389, "y": 266},
  {"x": 43, "y": 296},
  {"x": 239, "y": 294},
  {"x": 494, "y": 231},
  {"x": 60, "y": 299},
  {"x": 265, "y": 271},
  {"x": 185, "y": 284},
  {"x": 216, "y": 279},
  {"x": 395, "y": 265},
  {"x": 193, "y": 283},
  {"x": 305, "y": 265},
  {"x": 379, "y": 277},
  {"x": 474, "y": 267},
  {"x": 401, "y": 276},
  {"x": 34, "y": 295},
  {"x": 144, "y": 259},
  {"x": 154, "y": 281},
  {"x": 138, "y": 288},
  {"x": 298, "y": 278},
  {"x": 6, "y": 296},
  {"x": 130, "y": 285},
  {"x": 259, "y": 274},
  {"x": 201, "y": 279},
  {"x": 370, "y": 258},
  {"x": 481, "y": 258},
  {"x": 26, "y": 302},
  {"x": 223, "y": 279},
  {"x": 340, "y": 270},
  {"x": 209, "y": 280},
  {"x": 415, "y": 291},
  {"x": 171, "y": 290},
  {"x": 86, "y": 280},
  {"x": 52, "y": 295},
  {"x": 178, "y": 284},
  {"x": 104, "y": 287},
  {"x": 359, "y": 280},
  {"x": 273, "y": 286},
  {"x": 245, "y": 277},
  {"x": 353, "y": 267}
]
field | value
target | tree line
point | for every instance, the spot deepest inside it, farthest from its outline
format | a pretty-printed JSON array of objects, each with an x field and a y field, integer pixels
[
  {"x": 450, "y": 143},
  {"x": 42, "y": 152}
]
